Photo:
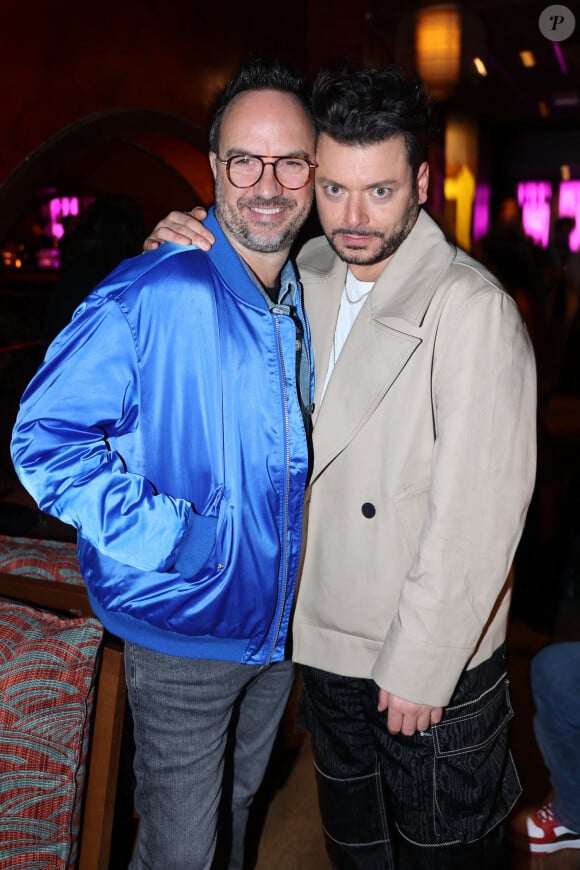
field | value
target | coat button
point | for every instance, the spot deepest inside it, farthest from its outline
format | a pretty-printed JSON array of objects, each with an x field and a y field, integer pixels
[{"x": 368, "y": 510}]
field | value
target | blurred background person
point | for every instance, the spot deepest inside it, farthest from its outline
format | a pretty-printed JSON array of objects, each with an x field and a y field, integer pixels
[{"x": 555, "y": 676}]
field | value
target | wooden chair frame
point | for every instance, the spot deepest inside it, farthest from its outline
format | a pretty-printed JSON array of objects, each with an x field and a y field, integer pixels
[{"x": 108, "y": 716}]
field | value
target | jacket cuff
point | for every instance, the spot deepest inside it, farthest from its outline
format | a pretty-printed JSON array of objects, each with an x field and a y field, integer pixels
[
  {"x": 424, "y": 675},
  {"x": 197, "y": 544}
]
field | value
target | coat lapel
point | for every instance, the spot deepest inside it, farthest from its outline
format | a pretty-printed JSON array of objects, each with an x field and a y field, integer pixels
[
  {"x": 382, "y": 340},
  {"x": 371, "y": 359}
]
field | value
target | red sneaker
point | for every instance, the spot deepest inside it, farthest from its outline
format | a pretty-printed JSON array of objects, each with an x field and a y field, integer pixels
[{"x": 546, "y": 834}]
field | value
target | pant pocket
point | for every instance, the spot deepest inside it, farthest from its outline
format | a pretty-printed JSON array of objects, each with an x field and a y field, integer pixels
[
  {"x": 350, "y": 808},
  {"x": 475, "y": 783},
  {"x": 354, "y": 822}
]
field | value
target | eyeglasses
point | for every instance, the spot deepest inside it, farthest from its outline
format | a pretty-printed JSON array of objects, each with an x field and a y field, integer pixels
[{"x": 245, "y": 170}]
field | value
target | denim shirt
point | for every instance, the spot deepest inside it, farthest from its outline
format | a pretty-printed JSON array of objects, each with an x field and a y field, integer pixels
[{"x": 288, "y": 288}]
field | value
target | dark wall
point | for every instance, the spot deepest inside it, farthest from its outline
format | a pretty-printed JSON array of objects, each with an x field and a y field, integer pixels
[{"x": 62, "y": 61}]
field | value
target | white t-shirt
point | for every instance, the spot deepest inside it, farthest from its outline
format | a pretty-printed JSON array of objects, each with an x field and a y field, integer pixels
[{"x": 353, "y": 298}]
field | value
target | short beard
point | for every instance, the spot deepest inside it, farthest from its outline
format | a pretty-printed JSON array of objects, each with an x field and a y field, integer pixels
[
  {"x": 389, "y": 244},
  {"x": 263, "y": 241}
]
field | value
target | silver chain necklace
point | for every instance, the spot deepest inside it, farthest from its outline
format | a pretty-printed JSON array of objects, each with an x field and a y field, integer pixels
[{"x": 351, "y": 278}]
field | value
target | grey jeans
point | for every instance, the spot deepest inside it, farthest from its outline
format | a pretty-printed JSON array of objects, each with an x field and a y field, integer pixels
[{"x": 185, "y": 713}]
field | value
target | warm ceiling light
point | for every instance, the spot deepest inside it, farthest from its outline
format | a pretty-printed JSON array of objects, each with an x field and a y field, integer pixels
[
  {"x": 438, "y": 48},
  {"x": 527, "y": 58},
  {"x": 543, "y": 109},
  {"x": 565, "y": 174},
  {"x": 480, "y": 66}
]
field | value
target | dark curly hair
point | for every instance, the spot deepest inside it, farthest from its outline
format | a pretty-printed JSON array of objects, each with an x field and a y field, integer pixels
[
  {"x": 367, "y": 106},
  {"x": 258, "y": 74}
]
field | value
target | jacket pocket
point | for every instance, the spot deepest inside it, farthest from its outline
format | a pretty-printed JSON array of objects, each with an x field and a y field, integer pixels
[{"x": 196, "y": 555}]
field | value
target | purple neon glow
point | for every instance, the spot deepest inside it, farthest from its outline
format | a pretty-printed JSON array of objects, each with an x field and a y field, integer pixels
[
  {"x": 62, "y": 207},
  {"x": 534, "y": 200},
  {"x": 569, "y": 206},
  {"x": 480, "y": 211},
  {"x": 560, "y": 58}
]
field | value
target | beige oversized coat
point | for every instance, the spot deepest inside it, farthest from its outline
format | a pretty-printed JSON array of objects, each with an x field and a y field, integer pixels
[{"x": 429, "y": 422}]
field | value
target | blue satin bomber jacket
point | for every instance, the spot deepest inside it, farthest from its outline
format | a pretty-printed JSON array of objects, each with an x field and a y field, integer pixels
[{"x": 165, "y": 425}]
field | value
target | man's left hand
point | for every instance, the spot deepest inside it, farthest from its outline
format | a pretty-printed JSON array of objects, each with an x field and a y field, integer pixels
[
  {"x": 406, "y": 717},
  {"x": 182, "y": 228}
]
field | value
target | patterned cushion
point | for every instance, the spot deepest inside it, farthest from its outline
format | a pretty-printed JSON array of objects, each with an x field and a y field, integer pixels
[
  {"x": 42, "y": 560},
  {"x": 47, "y": 672}
]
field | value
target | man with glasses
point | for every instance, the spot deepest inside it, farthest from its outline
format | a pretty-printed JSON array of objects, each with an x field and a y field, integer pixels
[{"x": 169, "y": 423}]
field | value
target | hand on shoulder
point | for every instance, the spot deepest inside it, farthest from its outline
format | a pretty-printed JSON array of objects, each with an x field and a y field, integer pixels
[{"x": 181, "y": 228}]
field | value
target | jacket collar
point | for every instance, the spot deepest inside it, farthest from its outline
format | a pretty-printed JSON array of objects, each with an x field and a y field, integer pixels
[
  {"x": 384, "y": 336},
  {"x": 406, "y": 286},
  {"x": 226, "y": 260}
]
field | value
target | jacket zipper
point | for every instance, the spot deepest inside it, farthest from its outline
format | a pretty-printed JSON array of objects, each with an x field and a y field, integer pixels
[{"x": 287, "y": 484}]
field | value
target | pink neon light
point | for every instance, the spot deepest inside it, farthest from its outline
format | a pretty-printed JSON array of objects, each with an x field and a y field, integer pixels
[
  {"x": 481, "y": 212},
  {"x": 62, "y": 207},
  {"x": 569, "y": 206},
  {"x": 560, "y": 58},
  {"x": 534, "y": 200}
]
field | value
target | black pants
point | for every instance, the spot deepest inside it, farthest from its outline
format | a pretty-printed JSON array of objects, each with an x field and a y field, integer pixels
[{"x": 433, "y": 801}]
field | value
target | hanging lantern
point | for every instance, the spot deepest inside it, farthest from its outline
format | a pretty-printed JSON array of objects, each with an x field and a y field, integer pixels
[{"x": 438, "y": 48}]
